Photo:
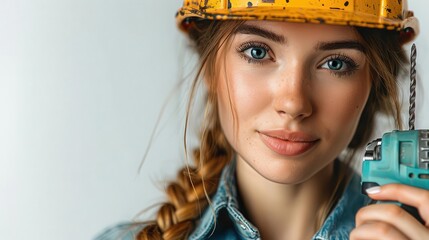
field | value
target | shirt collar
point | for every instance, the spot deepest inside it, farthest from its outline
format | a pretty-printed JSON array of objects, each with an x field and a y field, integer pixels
[
  {"x": 341, "y": 220},
  {"x": 226, "y": 197}
]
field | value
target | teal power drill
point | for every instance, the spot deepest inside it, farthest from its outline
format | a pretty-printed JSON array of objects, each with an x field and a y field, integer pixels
[{"x": 399, "y": 156}]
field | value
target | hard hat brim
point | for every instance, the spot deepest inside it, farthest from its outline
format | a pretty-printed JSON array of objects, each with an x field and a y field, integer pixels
[{"x": 299, "y": 15}]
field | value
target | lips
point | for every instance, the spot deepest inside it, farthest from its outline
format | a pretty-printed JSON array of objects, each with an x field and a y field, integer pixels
[{"x": 288, "y": 143}]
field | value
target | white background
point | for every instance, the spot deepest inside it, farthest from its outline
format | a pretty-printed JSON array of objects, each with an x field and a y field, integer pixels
[{"x": 82, "y": 83}]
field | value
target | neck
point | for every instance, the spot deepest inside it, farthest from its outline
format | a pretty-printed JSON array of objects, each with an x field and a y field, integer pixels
[{"x": 283, "y": 211}]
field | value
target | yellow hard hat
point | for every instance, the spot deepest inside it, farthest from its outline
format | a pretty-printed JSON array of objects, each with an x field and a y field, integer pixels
[{"x": 383, "y": 14}]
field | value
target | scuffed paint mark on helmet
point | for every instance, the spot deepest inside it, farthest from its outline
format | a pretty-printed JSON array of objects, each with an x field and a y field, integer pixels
[
  {"x": 268, "y": 1},
  {"x": 336, "y": 8},
  {"x": 321, "y": 20}
]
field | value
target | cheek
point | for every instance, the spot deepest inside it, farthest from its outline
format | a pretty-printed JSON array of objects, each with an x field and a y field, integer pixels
[
  {"x": 343, "y": 106},
  {"x": 347, "y": 105},
  {"x": 242, "y": 95}
]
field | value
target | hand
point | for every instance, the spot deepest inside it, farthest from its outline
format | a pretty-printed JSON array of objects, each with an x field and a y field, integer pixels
[{"x": 390, "y": 221}]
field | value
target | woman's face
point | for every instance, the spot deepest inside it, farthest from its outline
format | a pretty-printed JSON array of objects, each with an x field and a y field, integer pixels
[{"x": 290, "y": 95}]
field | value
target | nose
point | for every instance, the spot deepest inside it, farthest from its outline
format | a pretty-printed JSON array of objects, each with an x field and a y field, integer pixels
[{"x": 293, "y": 95}]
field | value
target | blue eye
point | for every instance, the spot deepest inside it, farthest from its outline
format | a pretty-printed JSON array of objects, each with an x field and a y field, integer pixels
[
  {"x": 257, "y": 52},
  {"x": 340, "y": 65},
  {"x": 335, "y": 64}
]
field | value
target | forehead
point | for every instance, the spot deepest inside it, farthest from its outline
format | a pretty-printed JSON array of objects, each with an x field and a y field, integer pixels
[{"x": 320, "y": 32}]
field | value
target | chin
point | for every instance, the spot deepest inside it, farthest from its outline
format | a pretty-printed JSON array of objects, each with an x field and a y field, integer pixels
[{"x": 286, "y": 173}]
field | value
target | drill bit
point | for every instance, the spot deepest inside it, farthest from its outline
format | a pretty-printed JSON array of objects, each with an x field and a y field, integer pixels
[{"x": 412, "y": 110}]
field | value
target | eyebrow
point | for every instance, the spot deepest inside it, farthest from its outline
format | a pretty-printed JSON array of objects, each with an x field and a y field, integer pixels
[
  {"x": 325, "y": 46},
  {"x": 254, "y": 30}
]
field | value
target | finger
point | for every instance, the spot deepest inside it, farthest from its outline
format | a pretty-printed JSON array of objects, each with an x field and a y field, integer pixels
[
  {"x": 416, "y": 197},
  {"x": 376, "y": 230},
  {"x": 395, "y": 216}
]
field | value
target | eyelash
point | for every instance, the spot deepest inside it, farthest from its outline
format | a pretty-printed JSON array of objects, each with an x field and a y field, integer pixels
[
  {"x": 350, "y": 63},
  {"x": 248, "y": 45}
]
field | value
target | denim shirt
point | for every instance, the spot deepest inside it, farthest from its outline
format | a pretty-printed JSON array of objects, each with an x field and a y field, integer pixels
[{"x": 230, "y": 224}]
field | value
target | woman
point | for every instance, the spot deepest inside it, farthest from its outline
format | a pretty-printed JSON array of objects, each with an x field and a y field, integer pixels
[{"x": 288, "y": 104}]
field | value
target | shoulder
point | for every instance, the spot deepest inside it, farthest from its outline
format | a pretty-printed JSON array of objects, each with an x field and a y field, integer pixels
[{"x": 121, "y": 231}]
